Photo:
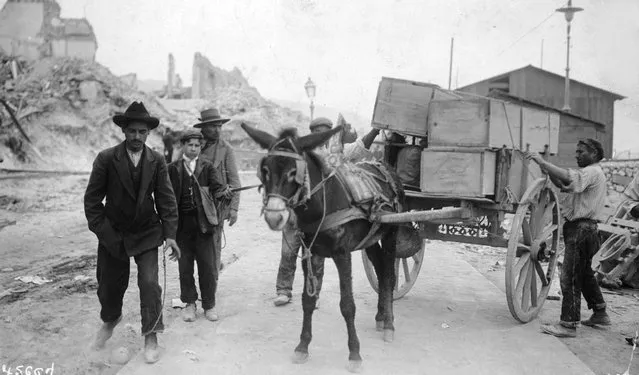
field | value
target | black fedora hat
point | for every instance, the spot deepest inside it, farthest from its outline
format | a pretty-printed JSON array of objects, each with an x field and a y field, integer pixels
[
  {"x": 210, "y": 116},
  {"x": 136, "y": 112}
]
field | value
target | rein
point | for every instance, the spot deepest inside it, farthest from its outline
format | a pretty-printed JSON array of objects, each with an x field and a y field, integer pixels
[{"x": 296, "y": 200}]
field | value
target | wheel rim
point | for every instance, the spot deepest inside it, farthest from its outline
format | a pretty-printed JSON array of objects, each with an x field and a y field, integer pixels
[
  {"x": 406, "y": 270},
  {"x": 532, "y": 251}
]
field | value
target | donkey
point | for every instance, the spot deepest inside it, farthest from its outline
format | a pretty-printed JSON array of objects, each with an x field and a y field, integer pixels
[{"x": 295, "y": 178}]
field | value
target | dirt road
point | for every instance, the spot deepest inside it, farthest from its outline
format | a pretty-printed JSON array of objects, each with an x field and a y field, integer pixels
[{"x": 54, "y": 322}]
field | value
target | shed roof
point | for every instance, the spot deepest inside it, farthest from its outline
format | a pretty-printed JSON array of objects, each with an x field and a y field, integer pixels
[
  {"x": 499, "y": 94},
  {"x": 532, "y": 67}
]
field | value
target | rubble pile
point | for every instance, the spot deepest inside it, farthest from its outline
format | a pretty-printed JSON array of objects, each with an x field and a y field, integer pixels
[{"x": 64, "y": 108}]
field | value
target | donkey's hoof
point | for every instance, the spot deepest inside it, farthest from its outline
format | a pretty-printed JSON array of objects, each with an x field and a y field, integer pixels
[
  {"x": 379, "y": 325},
  {"x": 389, "y": 335},
  {"x": 354, "y": 366},
  {"x": 299, "y": 358}
]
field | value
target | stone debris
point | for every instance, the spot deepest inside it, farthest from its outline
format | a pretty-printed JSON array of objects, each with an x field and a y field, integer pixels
[
  {"x": 191, "y": 355},
  {"x": 37, "y": 280}
]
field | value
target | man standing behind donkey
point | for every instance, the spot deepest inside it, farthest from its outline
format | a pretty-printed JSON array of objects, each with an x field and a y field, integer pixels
[
  {"x": 197, "y": 218},
  {"x": 220, "y": 153},
  {"x": 135, "y": 182}
]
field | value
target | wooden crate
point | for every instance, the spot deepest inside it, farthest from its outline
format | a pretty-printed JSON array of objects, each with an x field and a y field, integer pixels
[
  {"x": 458, "y": 172},
  {"x": 403, "y": 106},
  {"x": 489, "y": 123},
  {"x": 474, "y": 123}
]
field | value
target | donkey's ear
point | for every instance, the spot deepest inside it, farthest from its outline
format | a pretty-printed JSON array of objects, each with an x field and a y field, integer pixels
[
  {"x": 264, "y": 139},
  {"x": 309, "y": 142}
]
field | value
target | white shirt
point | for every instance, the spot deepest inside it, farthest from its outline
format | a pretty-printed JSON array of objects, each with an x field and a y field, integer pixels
[
  {"x": 586, "y": 193},
  {"x": 190, "y": 163},
  {"x": 135, "y": 156},
  {"x": 352, "y": 151}
]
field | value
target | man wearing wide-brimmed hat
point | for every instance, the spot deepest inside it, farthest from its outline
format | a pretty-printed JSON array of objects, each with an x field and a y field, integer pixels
[
  {"x": 220, "y": 153},
  {"x": 139, "y": 215}
]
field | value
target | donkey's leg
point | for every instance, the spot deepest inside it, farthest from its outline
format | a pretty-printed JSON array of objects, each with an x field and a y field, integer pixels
[
  {"x": 347, "y": 307},
  {"x": 308, "y": 305},
  {"x": 374, "y": 253},
  {"x": 387, "y": 284}
]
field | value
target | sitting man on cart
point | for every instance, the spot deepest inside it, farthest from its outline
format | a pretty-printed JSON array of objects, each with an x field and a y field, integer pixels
[{"x": 586, "y": 188}]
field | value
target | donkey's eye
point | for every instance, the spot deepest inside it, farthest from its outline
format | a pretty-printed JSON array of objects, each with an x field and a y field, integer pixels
[
  {"x": 265, "y": 174},
  {"x": 291, "y": 175}
]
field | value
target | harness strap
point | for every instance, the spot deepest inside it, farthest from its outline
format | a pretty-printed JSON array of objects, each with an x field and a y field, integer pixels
[{"x": 334, "y": 219}]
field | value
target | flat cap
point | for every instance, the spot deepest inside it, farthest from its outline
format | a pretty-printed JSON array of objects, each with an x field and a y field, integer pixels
[
  {"x": 320, "y": 121},
  {"x": 190, "y": 134}
]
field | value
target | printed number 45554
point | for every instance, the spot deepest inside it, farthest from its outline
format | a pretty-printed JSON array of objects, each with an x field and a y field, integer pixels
[{"x": 26, "y": 370}]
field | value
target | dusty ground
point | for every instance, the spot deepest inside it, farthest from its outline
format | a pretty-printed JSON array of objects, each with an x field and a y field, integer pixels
[{"x": 55, "y": 322}]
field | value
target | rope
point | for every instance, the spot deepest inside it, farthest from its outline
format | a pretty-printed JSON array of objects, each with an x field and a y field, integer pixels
[
  {"x": 163, "y": 298},
  {"x": 311, "y": 280}
]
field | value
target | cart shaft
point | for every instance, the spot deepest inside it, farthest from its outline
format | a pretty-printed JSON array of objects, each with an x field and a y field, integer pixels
[{"x": 417, "y": 216}]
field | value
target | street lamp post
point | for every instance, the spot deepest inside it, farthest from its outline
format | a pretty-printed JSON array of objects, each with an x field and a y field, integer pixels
[
  {"x": 310, "y": 87},
  {"x": 569, "y": 12}
]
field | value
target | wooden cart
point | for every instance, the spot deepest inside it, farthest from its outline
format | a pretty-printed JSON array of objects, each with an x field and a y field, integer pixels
[
  {"x": 472, "y": 174},
  {"x": 615, "y": 262}
]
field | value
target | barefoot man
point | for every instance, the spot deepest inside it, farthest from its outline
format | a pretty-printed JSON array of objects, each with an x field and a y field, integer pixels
[
  {"x": 586, "y": 188},
  {"x": 139, "y": 215}
]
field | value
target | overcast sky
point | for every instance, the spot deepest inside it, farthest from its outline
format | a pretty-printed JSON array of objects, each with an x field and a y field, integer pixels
[{"x": 347, "y": 46}]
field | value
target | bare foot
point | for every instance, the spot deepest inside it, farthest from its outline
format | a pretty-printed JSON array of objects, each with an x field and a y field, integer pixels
[
  {"x": 105, "y": 333},
  {"x": 151, "y": 350}
]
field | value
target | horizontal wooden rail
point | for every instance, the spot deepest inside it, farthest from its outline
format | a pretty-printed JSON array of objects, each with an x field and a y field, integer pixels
[{"x": 418, "y": 216}]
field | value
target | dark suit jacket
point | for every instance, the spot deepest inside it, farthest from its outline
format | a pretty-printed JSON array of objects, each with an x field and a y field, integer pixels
[
  {"x": 129, "y": 223},
  {"x": 206, "y": 176},
  {"x": 223, "y": 159}
]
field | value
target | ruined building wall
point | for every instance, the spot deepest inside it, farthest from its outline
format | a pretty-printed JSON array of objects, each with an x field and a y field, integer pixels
[{"x": 206, "y": 78}]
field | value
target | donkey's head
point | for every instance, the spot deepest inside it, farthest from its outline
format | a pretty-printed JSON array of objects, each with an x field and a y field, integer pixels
[{"x": 284, "y": 170}]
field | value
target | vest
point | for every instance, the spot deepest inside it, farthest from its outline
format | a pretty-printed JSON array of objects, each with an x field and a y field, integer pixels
[{"x": 187, "y": 198}]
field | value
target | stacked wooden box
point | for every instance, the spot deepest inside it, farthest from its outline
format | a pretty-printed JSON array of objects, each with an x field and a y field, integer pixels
[{"x": 464, "y": 135}]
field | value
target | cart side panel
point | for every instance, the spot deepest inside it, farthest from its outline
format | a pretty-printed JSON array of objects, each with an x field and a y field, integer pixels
[
  {"x": 460, "y": 172},
  {"x": 505, "y": 125},
  {"x": 540, "y": 128},
  {"x": 518, "y": 175}
]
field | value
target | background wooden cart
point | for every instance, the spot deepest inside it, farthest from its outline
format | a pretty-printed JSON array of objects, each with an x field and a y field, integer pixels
[{"x": 472, "y": 174}]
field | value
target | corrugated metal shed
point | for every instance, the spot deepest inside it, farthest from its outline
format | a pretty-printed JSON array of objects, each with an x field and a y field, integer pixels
[{"x": 588, "y": 103}]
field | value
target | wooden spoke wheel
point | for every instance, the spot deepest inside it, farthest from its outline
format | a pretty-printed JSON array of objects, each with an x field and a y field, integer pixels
[
  {"x": 406, "y": 270},
  {"x": 531, "y": 259}
]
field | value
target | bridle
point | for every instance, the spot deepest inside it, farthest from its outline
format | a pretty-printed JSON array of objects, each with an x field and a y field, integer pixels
[{"x": 303, "y": 192}]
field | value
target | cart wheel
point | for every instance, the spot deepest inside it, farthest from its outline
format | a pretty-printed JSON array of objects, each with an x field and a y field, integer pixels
[
  {"x": 532, "y": 251},
  {"x": 406, "y": 269}
]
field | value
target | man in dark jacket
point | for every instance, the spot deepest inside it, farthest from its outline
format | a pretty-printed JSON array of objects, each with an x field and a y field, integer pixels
[
  {"x": 135, "y": 182},
  {"x": 195, "y": 230},
  {"x": 220, "y": 153}
]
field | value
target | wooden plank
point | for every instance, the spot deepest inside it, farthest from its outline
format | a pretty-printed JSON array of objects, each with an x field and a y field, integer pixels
[
  {"x": 458, "y": 123},
  {"x": 420, "y": 216},
  {"x": 505, "y": 125},
  {"x": 458, "y": 172},
  {"x": 402, "y": 106}
]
